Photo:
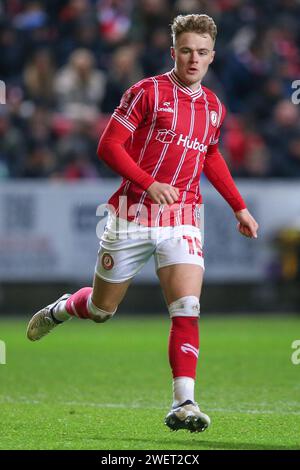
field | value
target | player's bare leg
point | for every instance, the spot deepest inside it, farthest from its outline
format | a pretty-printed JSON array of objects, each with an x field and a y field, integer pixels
[
  {"x": 181, "y": 285},
  {"x": 98, "y": 304},
  {"x": 179, "y": 280},
  {"x": 106, "y": 297}
]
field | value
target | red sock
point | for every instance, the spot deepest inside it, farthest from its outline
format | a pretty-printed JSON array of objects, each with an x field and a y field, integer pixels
[
  {"x": 77, "y": 304},
  {"x": 184, "y": 346}
]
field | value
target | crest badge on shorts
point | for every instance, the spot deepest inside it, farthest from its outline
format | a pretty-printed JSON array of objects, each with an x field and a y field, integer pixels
[
  {"x": 107, "y": 261},
  {"x": 213, "y": 118}
]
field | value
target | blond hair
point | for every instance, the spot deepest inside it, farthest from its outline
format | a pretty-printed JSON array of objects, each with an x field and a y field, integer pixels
[{"x": 201, "y": 24}]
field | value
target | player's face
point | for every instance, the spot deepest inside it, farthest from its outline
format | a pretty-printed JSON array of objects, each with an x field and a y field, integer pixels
[{"x": 192, "y": 54}]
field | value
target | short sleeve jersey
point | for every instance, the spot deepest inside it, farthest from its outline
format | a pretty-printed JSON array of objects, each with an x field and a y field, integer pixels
[{"x": 171, "y": 129}]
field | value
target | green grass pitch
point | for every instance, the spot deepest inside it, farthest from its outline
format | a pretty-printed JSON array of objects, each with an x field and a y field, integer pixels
[{"x": 91, "y": 386}]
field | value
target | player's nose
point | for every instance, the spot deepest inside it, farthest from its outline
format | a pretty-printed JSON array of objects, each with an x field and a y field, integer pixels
[{"x": 194, "y": 56}]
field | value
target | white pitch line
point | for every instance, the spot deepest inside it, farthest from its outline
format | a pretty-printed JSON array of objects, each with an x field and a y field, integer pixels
[{"x": 27, "y": 401}]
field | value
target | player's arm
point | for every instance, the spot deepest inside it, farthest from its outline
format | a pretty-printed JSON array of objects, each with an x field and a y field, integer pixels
[
  {"x": 217, "y": 172},
  {"x": 111, "y": 150}
]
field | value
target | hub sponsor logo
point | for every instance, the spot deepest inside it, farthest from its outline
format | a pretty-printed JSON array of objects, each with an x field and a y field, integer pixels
[
  {"x": 167, "y": 137},
  {"x": 191, "y": 144}
]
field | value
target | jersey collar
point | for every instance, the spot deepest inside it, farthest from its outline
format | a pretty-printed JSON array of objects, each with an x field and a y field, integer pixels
[{"x": 184, "y": 88}]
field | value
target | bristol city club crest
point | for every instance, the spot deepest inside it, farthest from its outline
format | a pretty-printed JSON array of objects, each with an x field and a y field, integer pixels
[
  {"x": 107, "y": 261},
  {"x": 165, "y": 136},
  {"x": 213, "y": 118}
]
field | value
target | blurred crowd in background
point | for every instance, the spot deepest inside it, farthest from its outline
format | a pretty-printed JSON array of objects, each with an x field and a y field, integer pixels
[{"x": 66, "y": 64}]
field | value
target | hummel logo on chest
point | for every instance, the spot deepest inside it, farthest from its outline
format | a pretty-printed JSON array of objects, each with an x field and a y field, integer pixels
[{"x": 166, "y": 107}]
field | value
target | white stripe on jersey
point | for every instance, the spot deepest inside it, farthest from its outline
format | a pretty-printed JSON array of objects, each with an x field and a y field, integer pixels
[
  {"x": 138, "y": 96},
  {"x": 175, "y": 176},
  {"x": 215, "y": 141},
  {"x": 121, "y": 120},
  {"x": 125, "y": 190},
  {"x": 174, "y": 123},
  {"x": 186, "y": 148},
  {"x": 124, "y": 120},
  {"x": 163, "y": 153},
  {"x": 207, "y": 117},
  {"x": 198, "y": 155},
  {"x": 190, "y": 181},
  {"x": 220, "y": 109},
  {"x": 153, "y": 121}
]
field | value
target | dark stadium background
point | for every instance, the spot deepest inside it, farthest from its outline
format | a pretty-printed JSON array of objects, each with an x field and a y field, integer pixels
[{"x": 49, "y": 128}]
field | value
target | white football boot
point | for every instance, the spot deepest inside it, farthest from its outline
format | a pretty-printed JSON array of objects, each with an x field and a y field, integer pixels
[
  {"x": 43, "y": 321},
  {"x": 187, "y": 416}
]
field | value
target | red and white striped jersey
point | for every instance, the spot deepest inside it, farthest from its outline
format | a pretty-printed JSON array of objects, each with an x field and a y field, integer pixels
[{"x": 172, "y": 128}]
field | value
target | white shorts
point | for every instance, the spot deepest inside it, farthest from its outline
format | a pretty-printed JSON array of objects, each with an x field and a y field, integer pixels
[{"x": 126, "y": 246}]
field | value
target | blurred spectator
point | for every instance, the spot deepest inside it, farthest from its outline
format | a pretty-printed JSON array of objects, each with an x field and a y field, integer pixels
[
  {"x": 39, "y": 78},
  {"x": 235, "y": 142},
  {"x": 12, "y": 54},
  {"x": 33, "y": 16},
  {"x": 87, "y": 36},
  {"x": 38, "y": 129},
  {"x": 79, "y": 138},
  {"x": 148, "y": 16},
  {"x": 114, "y": 19},
  {"x": 291, "y": 165},
  {"x": 156, "y": 57},
  {"x": 71, "y": 12},
  {"x": 79, "y": 82},
  {"x": 78, "y": 28},
  {"x": 80, "y": 167},
  {"x": 256, "y": 160},
  {"x": 262, "y": 105},
  {"x": 40, "y": 163},
  {"x": 33, "y": 23},
  {"x": 124, "y": 71},
  {"x": 280, "y": 131},
  {"x": 12, "y": 146},
  {"x": 243, "y": 69},
  {"x": 187, "y": 7}
]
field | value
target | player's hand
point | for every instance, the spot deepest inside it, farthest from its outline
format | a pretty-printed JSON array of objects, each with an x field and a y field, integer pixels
[
  {"x": 247, "y": 225},
  {"x": 163, "y": 193}
]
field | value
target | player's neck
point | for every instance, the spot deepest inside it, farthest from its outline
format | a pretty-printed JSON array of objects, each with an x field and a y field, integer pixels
[{"x": 192, "y": 86}]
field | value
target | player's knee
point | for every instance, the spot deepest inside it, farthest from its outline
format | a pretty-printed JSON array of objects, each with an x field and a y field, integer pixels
[
  {"x": 101, "y": 313},
  {"x": 188, "y": 306}
]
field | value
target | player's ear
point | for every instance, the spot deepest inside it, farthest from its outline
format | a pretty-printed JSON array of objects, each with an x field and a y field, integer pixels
[
  {"x": 212, "y": 56},
  {"x": 172, "y": 52}
]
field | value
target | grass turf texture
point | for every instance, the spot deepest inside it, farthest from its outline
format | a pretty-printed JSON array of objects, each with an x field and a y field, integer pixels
[{"x": 88, "y": 386}]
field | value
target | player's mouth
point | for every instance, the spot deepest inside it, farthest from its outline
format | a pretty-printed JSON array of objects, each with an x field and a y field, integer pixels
[{"x": 192, "y": 70}]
